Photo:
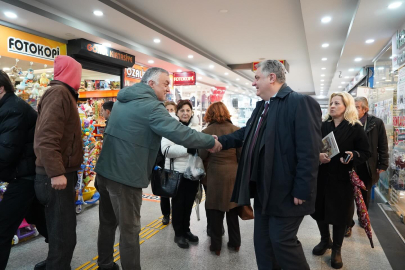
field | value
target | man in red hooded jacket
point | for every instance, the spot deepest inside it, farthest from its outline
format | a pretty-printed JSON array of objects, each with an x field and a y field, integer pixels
[{"x": 59, "y": 151}]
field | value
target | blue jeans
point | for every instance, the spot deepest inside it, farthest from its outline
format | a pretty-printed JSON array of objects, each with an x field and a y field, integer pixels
[{"x": 60, "y": 219}]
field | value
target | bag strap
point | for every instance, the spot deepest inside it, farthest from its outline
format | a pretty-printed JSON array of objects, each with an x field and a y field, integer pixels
[{"x": 171, "y": 160}]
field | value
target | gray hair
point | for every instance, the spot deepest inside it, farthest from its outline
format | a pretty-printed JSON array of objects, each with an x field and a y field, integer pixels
[
  {"x": 363, "y": 100},
  {"x": 153, "y": 74},
  {"x": 273, "y": 66}
]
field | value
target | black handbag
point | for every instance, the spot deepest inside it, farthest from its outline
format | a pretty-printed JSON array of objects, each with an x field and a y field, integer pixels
[{"x": 165, "y": 182}]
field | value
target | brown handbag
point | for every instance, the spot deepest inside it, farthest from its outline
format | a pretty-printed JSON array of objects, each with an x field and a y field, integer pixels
[{"x": 245, "y": 212}]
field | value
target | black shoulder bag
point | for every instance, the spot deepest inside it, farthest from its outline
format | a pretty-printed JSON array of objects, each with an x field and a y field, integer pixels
[{"x": 165, "y": 182}]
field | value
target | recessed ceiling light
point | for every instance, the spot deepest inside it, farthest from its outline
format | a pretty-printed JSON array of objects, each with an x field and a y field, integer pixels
[
  {"x": 358, "y": 59},
  {"x": 387, "y": 80},
  {"x": 190, "y": 56},
  {"x": 377, "y": 82},
  {"x": 223, "y": 10},
  {"x": 322, "y": 84},
  {"x": 324, "y": 59},
  {"x": 151, "y": 61},
  {"x": 199, "y": 78},
  {"x": 339, "y": 86},
  {"x": 369, "y": 41},
  {"x": 237, "y": 79},
  {"x": 351, "y": 69},
  {"x": 326, "y": 19},
  {"x": 325, "y": 45},
  {"x": 107, "y": 44},
  {"x": 98, "y": 13},
  {"x": 211, "y": 66},
  {"x": 347, "y": 77},
  {"x": 322, "y": 75},
  {"x": 380, "y": 68},
  {"x": 10, "y": 15},
  {"x": 156, "y": 40},
  {"x": 226, "y": 73},
  {"x": 6, "y": 69},
  {"x": 246, "y": 83},
  {"x": 323, "y": 68},
  {"x": 383, "y": 78},
  {"x": 395, "y": 5},
  {"x": 322, "y": 80},
  {"x": 179, "y": 70},
  {"x": 343, "y": 82}
]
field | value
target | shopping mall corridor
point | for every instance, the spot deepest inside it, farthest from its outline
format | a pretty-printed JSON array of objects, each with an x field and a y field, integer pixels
[{"x": 158, "y": 251}]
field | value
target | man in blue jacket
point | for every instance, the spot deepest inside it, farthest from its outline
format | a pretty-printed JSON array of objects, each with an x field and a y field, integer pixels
[
  {"x": 278, "y": 166},
  {"x": 131, "y": 143}
]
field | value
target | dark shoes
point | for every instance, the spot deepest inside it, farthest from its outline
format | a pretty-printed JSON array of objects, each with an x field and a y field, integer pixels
[
  {"x": 181, "y": 241},
  {"x": 236, "y": 248},
  {"x": 40, "y": 266},
  {"x": 191, "y": 237},
  {"x": 217, "y": 252},
  {"x": 348, "y": 232},
  {"x": 336, "y": 259},
  {"x": 165, "y": 220},
  {"x": 114, "y": 267},
  {"x": 322, "y": 247}
]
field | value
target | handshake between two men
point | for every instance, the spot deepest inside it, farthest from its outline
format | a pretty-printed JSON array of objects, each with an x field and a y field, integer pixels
[{"x": 217, "y": 147}]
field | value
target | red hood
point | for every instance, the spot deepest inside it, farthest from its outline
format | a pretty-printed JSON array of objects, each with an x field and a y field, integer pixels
[{"x": 68, "y": 70}]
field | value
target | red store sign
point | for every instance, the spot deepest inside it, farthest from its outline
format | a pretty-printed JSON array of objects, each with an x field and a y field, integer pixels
[{"x": 184, "y": 78}]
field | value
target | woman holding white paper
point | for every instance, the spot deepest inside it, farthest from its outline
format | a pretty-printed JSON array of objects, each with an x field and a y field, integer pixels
[{"x": 335, "y": 199}]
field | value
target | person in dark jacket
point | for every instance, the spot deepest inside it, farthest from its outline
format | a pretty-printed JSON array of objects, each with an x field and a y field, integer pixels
[
  {"x": 279, "y": 165},
  {"x": 17, "y": 167},
  {"x": 335, "y": 197},
  {"x": 369, "y": 171},
  {"x": 59, "y": 149}
]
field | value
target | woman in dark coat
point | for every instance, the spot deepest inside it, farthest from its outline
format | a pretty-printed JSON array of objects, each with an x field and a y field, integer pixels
[
  {"x": 17, "y": 167},
  {"x": 335, "y": 197},
  {"x": 221, "y": 174}
]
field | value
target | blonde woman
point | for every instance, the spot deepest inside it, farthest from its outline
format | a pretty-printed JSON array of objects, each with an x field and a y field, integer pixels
[{"x": 335, "y": 200}]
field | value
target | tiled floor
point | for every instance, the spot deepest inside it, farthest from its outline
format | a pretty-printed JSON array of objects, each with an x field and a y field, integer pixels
[{"x": 160, "y": 252}]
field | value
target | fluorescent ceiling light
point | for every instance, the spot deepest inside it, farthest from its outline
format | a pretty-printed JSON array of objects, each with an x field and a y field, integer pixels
[
  {"x": 326, "y": 19},
  {"x": 358, "y": 59},
  {"x": 156, "y": 40},
  {"x": 98, "y": 13},
  {"x": 325, "y": 45},
  {"x": 151, "y": 61},
  {"x": 395, "y": 5},
  {"x": 10, "y": 15},
  {"x": 324, "y": 59},
  {"x": 190, "y": 56},
  {"x": 369, "y": 41}
]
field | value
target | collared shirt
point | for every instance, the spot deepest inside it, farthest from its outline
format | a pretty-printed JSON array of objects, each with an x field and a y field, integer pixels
[{"x": 267, "y": 102}]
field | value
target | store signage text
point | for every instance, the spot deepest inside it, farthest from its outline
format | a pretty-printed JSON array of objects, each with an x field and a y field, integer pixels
[
  {"x": 24, "y": 47},
  {"x": 398, "y": 121},
  {"x": 134, "y": 73},
  {"x": 103, "y": 50},
  {"x": 398, "y": 49},
  {"x": 184, "y": 78}
]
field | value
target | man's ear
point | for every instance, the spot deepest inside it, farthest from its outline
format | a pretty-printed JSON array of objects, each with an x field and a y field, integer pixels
[{"x": 151, "y": 83}]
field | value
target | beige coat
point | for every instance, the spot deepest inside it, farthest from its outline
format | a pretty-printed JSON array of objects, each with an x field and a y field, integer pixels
[{"x": 221, "y": 170}]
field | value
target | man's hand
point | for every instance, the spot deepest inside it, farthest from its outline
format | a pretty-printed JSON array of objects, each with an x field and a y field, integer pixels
[
  {"x": 298, "y": 201},
  {"x": 217, "y": 147},
  {"x": 59, "y": 182},
  {"x": 380, "y": 171},
  {"x": 323, "y": 158},
  {"x": 215, "y": 137}
]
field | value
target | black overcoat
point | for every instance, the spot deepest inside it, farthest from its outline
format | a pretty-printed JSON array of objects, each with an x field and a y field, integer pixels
[
  {"x": 288, "y": 157},
  {"x": 335, "y": 196}
]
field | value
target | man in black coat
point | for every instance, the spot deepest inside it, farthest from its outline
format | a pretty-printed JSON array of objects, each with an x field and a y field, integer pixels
[
  {"x": 278, "y": 166},
  {"x": 369, "y": 172},
  {"x": 17, "y": 167}
]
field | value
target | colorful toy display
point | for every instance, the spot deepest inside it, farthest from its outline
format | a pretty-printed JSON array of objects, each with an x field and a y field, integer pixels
[{"x": 44, "y": 81}]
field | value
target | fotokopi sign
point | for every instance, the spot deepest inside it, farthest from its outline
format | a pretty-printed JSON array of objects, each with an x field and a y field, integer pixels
[
  {"x": 24, "y": 46},
  {"x": 184, "y": 78}
]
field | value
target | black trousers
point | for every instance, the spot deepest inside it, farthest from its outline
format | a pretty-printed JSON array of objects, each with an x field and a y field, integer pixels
[
  {"x": 217, "y": 221},
  {"x": 165, "y": 205},
  {"x": 19, "y": 201},
  {"x": 60, "y": 219},
  {"x": 338, "y": 233},
  {"x": 367, "y": 193},
  {"x": 182, "y": 205},
  {"x": 276, "y": 242}
]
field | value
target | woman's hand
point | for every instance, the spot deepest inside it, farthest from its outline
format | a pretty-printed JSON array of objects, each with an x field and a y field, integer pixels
[
  {"x": 323, "y": 158},
  {"x": 350, "y": 159}
]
